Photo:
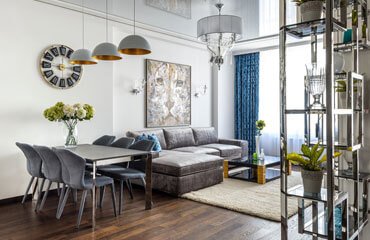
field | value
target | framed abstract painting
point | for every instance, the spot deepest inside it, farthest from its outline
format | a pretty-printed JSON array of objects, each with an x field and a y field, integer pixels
[
  {"x": 168, "y": 94},
  {"x": 178, "y": 7}
]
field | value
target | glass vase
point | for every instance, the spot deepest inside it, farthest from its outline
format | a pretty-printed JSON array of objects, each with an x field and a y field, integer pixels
[
  {"x": 258, "y": 138},
  {"x": 315, "y": 85},
  {"x": 70, "y": 133}
]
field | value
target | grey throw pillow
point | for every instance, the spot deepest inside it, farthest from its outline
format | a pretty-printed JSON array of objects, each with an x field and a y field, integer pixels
[
  {"x": 179, "y": 137},
  {"x": 205, "y": 135}
]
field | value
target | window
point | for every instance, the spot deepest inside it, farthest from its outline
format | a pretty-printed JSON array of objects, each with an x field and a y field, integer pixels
[
  {"x": 269, "y": 96},
  {"x": 269, "y": 16}
]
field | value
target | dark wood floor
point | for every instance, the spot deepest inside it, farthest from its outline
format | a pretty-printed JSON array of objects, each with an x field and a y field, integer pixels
[{"x": 171, "y": 218}]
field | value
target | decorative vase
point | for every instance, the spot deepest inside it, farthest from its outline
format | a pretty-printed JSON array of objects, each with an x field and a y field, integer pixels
[
  {"x": 312, "y": 181},
  {"x": 311, "y": 10},
  {"x": 70, "y": 133},
  {"x": 338, "y": 62},
  {"x": 258, "y": 145},
  {"x": 315, "y": 84}
]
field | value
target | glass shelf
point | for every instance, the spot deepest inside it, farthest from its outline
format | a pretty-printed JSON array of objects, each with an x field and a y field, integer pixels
[
  {"x": 298, "y": 192},
  {"x": 340, "y": 146},
  {"x": 345, "y": 111},
  {"x": 322, "y": 230},
  {"x": 306, "y": 29},
  {"x": 349, "y": 175},
  {"x": 348, "y": 47}
]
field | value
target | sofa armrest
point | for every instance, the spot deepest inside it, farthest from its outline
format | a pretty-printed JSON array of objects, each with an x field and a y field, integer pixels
[{"x": 240, "y": 143}]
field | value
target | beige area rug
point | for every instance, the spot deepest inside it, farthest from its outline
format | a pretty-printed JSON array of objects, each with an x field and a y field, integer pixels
[{"x": 246, "y": 197}]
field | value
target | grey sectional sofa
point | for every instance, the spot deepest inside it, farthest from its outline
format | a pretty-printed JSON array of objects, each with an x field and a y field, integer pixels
[{"x": 191, "y": 158}]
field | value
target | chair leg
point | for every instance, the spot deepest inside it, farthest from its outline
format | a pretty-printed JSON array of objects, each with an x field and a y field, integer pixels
[
  {"x": 39, "y": 195},
  {"x": 129, "y": 187},
  {"x": 101, "y": 195},
  {"x": 65, "y": 197},
  {"x": 45, "y": 196},
  {"x": 113, "y": 191},
  {"x": 35, "y": 187},
  {"x": 58, "y": 189},
  {"x": 61, "y": 196},
  {"x": 120, "y": 198},
  {"x": 28, "y": 189},
  {"x": 82, "y": 205},
  {"x": 143, "y": 181},
  {"x": 74, "y": 194}
]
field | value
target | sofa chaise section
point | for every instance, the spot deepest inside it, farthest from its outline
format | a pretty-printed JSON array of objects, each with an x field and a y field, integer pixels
[
  {"x": 177, "y": 173},
  {"x": 192, "y": 158}
]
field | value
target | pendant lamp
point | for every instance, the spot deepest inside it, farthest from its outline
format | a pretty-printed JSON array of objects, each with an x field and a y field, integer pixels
[
  {"x": 134, "y": 44},
  {"x": 82, "y": 56},
  {"x": 106, "y": 51}
]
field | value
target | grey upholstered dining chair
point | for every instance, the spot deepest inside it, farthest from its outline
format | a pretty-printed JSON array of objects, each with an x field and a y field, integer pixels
[
  {"x": 52, "y": 170},
  {"x": 105, "y": 140},
  {"x": 73, "y": 174},
  {"x": 34, "y": 164},
  {"x": 126, "y": 174},
  {"x": 124, "y": 142}
]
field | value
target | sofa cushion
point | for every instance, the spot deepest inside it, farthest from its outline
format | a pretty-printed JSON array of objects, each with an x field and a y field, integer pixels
[
  {"x": 196, "y": 149},
  {"x": 158, "y": 132},
  {"x": 181, "y": 164},
  {"x": 179, "y": 137},
  {"x": 225, "y": 150},
  {"x": 205, "y": 135}
]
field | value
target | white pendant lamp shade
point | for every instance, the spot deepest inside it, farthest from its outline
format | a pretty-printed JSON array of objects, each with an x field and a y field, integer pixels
[
  {"x": 106, "y": 51},
  {"x": 82, "y": 57},
  {"x": 134, "y": 45}
]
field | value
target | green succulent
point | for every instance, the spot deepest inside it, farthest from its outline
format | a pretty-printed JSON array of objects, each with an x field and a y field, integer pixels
[
  {"x": 310, "y": 159},
  {"x": 341, "y": 86},
  {"x": 260, "y": 125}
]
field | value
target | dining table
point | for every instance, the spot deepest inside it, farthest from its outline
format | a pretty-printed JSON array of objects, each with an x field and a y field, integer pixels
[{"x": 98, "y": 155}]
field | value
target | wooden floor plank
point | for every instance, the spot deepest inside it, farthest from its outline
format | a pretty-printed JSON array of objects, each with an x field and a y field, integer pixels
[{"x": 171, "y": 218}]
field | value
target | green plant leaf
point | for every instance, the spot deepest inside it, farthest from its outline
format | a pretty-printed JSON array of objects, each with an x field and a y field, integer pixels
[{"x": 306, "y": 151}]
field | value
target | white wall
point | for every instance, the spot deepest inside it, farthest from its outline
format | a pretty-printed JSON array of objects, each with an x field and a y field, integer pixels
[
  {"x": 129, "y": 113},
  {"x": 26, "y": 28},
  {"x": 225, "y": 96}
]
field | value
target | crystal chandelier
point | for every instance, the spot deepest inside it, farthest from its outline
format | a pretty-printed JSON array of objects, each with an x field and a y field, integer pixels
[{"x": 219, "y": 32}]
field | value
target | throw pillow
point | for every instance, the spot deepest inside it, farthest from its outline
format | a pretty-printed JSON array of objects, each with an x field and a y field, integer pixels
[
  {"x": 157, "y": 145},
  {"x": 141, "y": 137}
]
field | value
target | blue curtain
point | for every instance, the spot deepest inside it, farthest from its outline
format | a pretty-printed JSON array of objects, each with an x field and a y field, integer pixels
[{"x": 246, "y": 97}]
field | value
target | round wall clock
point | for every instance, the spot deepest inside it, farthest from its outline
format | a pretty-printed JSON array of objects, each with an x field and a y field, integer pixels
[{"x": 56, "y": 69}]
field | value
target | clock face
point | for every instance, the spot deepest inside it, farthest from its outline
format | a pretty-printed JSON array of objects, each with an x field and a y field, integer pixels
[{"x": 56, "y": 69}]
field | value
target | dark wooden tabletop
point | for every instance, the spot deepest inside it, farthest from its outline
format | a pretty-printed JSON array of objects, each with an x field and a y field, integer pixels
[{"x": 96, "y": 153}]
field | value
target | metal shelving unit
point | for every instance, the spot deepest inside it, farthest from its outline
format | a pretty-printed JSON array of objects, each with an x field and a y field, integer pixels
[{"x": 338, "y": 127}]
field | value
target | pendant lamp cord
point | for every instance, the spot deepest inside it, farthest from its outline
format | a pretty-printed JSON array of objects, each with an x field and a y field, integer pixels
[
  {"x": 83, "y": 24},
  {"x": 106, "y": 20},
  {"x": 134, "y": 17}
]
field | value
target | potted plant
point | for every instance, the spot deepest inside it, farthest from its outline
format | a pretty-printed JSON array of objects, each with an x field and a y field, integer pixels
[
  {"x": 310, "y": 9},
  {"x": 260, "y": 125},
  {"x": 69, "y": 115},
  {"x": 311, "y": 161}
]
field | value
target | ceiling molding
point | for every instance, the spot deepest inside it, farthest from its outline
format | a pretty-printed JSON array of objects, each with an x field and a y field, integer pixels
[{"x": 149, "y": 30}]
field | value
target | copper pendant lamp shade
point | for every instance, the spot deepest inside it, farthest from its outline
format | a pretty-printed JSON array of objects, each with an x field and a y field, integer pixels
[
  {"x": 106, "y": 51},
  {"x": 82, "y": 56},
  {"x": 134, "y": 44}
]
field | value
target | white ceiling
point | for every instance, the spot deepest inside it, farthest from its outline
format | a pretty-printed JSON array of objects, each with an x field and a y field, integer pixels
[{"x": 165, "y": 20}]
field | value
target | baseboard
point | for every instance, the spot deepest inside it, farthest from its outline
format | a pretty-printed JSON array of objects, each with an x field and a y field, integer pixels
[{"x": 18, "y": 199}]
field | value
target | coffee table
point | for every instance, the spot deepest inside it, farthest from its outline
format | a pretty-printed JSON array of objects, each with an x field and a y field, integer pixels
[{"x": 245, "y": 169}]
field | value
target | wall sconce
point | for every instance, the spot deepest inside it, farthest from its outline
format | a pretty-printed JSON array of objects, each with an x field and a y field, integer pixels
[
  {"x": 139, "y": 87},
  {"x": 200, "y": 91}
]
